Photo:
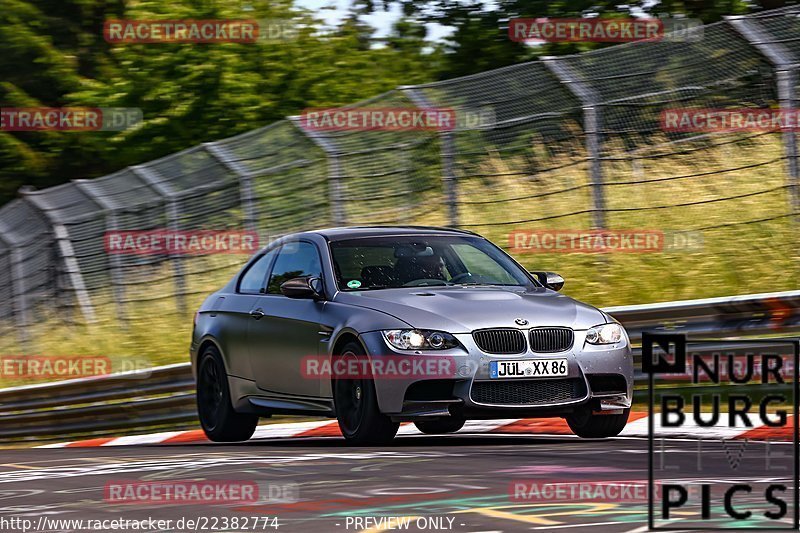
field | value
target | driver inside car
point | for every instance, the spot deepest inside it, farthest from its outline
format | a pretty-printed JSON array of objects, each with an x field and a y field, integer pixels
[{"x": 414, "y": 268}]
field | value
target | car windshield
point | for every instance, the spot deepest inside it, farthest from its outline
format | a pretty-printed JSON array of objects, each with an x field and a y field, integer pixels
[{"x": 422, "y": 261}]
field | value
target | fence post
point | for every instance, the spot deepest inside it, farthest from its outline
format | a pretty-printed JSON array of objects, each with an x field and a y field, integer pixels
[
  {"x": 592, "y": 126},
  {"x": 448, "y": 153},
  {"x": 88, "y": 187},
  {"x": 787, "y": 79},
  {"x": 65, "y": 250},
  {"x": 20, "y": 305},
  {"x": 334, "y": 171},
  {"x": 785, "y": 65},
  {"x": 247, "y": 197},
  {"x": 173, "y": 216}
]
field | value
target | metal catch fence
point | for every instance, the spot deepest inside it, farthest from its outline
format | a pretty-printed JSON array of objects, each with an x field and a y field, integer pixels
[{"x": 575, "y": 142}]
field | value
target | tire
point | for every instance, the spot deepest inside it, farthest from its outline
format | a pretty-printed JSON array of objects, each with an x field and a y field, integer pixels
[
  {"x": 217, "y": 417},
  {"x": 356, "y": 405},
  {"x": 590, "y": 426},
  {"x": 436, "y": 427}
]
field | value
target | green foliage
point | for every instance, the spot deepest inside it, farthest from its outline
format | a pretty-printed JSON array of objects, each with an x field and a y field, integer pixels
[
  {"x": 54, "y": 55},
  {"x": 480, "y": 40}
]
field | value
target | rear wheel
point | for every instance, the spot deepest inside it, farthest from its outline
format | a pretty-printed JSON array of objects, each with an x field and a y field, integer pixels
[
  {"x": 435, "y": 427},
  {"x": 214, "y": 407},
  {"x": 595, "y": 426},
  {"x": 356, "y": 404}
]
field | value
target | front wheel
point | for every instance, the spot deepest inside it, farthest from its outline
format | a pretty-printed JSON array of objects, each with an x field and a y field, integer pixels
[
  {"x": 356, "y": 403},
  {"x": 595, "y": 426},
  {"x": 219, "y": 421}
]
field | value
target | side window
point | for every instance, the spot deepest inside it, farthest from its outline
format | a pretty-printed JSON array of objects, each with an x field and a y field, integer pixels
[
  {"x": 295, "y": 260},
  {"x": 253, "y": 280}
]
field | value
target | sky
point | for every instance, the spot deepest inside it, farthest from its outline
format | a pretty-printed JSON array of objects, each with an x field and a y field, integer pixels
[{"x": 380, "y": 20}]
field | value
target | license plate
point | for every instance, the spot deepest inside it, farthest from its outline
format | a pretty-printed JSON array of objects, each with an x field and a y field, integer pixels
[{"x": 528, "y": 369}]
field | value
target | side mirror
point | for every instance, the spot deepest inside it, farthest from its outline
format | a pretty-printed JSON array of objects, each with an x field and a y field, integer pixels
[
  {"x": 307, "y": 288},
  {"x": 551, "y": 280}
]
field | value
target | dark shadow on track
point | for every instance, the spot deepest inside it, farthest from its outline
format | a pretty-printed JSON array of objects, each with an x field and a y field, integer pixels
[{"x": 450, "y": 441}]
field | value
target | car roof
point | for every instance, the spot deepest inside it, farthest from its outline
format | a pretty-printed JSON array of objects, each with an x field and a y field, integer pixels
[{"x": 337, "y": 234}]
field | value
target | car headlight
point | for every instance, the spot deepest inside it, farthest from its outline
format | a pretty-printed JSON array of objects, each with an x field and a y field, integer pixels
[
  {"x": 419, "y": 339},
  {"x": 604, "y": 334}
]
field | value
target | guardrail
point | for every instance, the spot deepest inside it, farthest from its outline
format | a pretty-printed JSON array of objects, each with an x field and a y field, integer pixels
[{"x": 163, "y": 397}]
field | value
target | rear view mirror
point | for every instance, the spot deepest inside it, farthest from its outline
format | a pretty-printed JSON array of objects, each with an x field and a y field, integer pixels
[
  {"x": 414, "y": 250},
  {"x": 551, "y": 280}
]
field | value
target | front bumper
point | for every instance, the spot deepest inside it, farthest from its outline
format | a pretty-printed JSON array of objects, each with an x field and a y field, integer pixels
[{"x": 598, "y": 376}]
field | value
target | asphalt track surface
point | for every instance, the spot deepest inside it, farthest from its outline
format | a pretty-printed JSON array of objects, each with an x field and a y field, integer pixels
[{"x": 457, "y": 483}]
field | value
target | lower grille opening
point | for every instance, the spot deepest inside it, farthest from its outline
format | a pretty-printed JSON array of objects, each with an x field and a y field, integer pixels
[
  {"x": 428, "y": 390},
  {"x": 528, "y": 392},
  {"x": 607, "y": 383}
]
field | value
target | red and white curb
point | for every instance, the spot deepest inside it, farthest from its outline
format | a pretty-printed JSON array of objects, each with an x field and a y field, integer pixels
[{"x": 637, "y": 427}]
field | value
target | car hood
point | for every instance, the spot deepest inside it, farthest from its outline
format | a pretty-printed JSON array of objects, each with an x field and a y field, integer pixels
[{"x": 464, "y": 309}]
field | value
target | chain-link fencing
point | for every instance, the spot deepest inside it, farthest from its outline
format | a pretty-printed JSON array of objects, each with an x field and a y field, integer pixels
[{"x": 575, "y": 142}]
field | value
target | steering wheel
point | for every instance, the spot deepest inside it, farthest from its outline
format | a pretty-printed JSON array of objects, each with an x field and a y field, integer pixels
[
  {"x": 424, "y": 282},
  {"x": 460, "y": 277}
]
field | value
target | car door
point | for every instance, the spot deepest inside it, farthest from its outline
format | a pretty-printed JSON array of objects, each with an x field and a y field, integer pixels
[
  {"x": 234, "y": 311},
  {"x": 289, "y": 329}
]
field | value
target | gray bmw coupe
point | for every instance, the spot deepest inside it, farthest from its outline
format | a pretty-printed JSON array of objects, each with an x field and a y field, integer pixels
[{"x": 380, "y": 325}]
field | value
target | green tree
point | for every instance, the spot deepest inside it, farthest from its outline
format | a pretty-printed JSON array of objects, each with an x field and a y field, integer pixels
[
  {"x": 480, "y": 42},
  {"x": 55, "y": 55}
]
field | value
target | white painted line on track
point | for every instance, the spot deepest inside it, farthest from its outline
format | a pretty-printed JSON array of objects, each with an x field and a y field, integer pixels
[{"x": 134, "y": 440}]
